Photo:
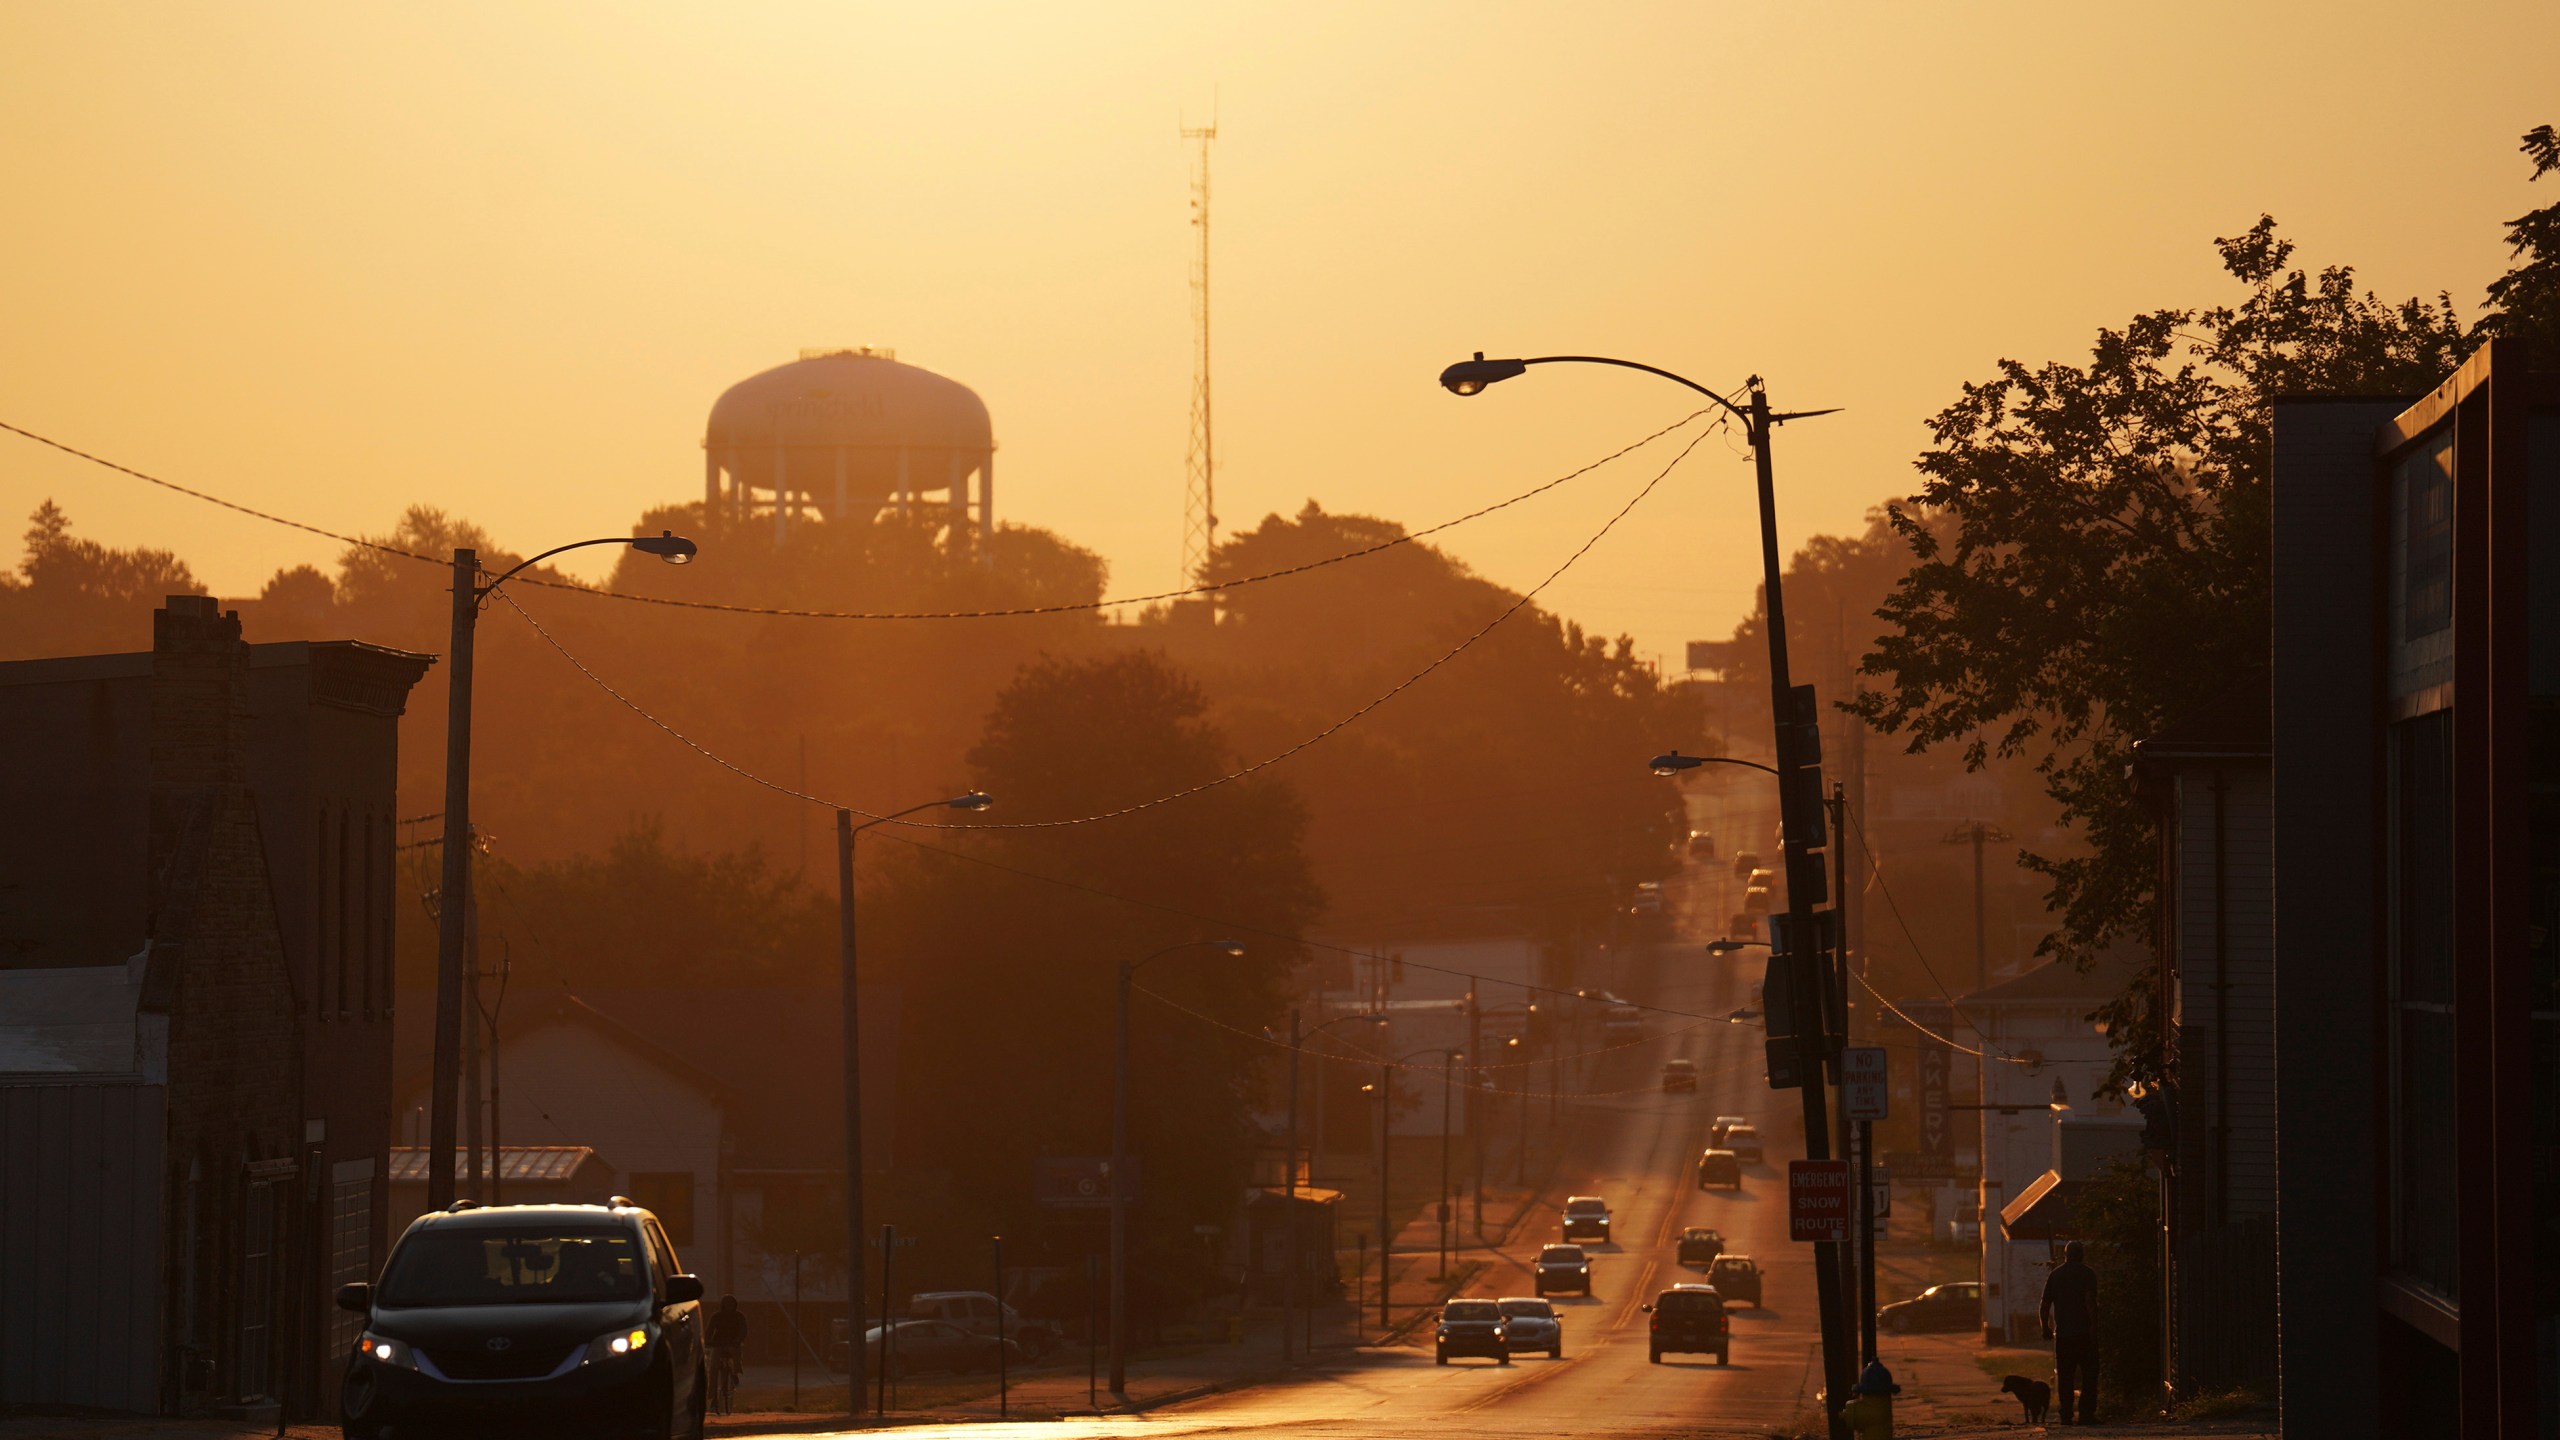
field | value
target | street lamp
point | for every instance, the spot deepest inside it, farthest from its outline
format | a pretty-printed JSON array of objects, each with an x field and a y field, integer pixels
[
  {"x": 1289, "y": 1287},
  {"x": 1672, "y": 762},
  {"x": 468, "y": 594},
  {"x": 846, "y": 949},
  {"x": 1798, "y": 757},
  {"x": 1386, "y": 1093},
  {"x": 1233, "y": 950}
]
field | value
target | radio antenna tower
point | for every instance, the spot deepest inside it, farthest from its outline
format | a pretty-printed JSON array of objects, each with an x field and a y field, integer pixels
[{"x": 1200, "y": 464}]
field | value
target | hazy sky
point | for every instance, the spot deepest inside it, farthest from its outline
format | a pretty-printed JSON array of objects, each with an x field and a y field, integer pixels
[{"x": 332, "y": 260}]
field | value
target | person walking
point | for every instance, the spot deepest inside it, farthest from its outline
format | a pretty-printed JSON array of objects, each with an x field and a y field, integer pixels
[{"x": 2069, "y": 1316}]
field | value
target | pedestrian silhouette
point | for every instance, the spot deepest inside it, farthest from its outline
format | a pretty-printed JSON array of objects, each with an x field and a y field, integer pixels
[{"x": 2069, "y": 1316}]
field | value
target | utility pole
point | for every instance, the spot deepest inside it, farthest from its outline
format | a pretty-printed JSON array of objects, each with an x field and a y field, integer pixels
[
  {"x": 1448, "y": 1091},
  {"x": 1386, "y": 1141},
  {"x": 1977, "y": 833},
  {"x": 1289, "y": 1163},
  {"x": 1475, "y": 1088},
  {"x": 441, "y": 1138}
]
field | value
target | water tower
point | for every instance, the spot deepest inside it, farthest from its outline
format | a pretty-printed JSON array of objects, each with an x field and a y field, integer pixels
[{"x": 843, "y": 435}]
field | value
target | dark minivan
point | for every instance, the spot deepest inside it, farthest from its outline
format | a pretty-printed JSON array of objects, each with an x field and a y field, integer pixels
[{"x": 570, "y": 1318}]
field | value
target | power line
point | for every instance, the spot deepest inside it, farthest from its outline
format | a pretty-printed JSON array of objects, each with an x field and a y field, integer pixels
[
  {"x": 1062, "y": 608},
  {"x": 1518, "y": 603},
  {"x": 1876, "y": 870}
]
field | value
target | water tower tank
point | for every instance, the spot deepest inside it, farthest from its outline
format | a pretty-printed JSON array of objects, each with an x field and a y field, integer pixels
[{"x": 844, "y": 434}]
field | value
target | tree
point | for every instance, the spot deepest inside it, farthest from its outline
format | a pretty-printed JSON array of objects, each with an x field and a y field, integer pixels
[
  {"x": 2524, "y": 303},
  {"x": 2091, "y": 557},
  {"x": 1007, "y": 982},
  {"x": 71, "y": 596}
]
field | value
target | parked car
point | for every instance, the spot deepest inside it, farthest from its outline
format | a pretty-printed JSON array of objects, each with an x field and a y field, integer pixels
[
  {"x": 1701, "y": 843},
  {"x": 976, "y": 1311},
  {"x": 1956, "y": 1305},
  {"x": 1471, "y": 1327},
  {"x": 1531, "y": 1324},
  {"x": 564, "y": 1317},
  {"x": 1689, "y": 1320},
  {"x": 1719, "y": 1167},
  {"x": 1586, "y": 1217},
  {"x": 1736, "y": 1278},
  {"x": 1744, "y": 862},
  {"x": 1563, "y": 1267},
  {"x": 1679, "y": 1077},
  {"x": 920, "y": 1347},
  {"x": 1700, "y": 1245},
  {"x": 1744, "y": 1141},
  {"x": 1724, "y": 1124}
]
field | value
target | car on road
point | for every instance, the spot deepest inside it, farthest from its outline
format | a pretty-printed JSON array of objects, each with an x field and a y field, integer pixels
[
  {"x": 564, "y": 1317},
  {"x": 1689, "y": 1320},
  {"x": 1586, "y": 1217},
  {"x": 1701, "y": 843},
  {"x": 1647, "y": 906},
  {"x": 1956, "y": 1305},
  {"x": 1760, "y": 879},
  {"x": 1756, "y": 900},
  {"x": 1736, "y": 1278},
  {"x": 1745, "y": 862},
  {"x": 1531, "y": 1324},
  {"x": 1723, "y": 1124},
  {"x": 1471, "y": 1327},
  {"x": 1719, "y": 1167},
  {"x": 1700, "y": 1245},
  {"x": 1680, "y": 1077},
  {"x": 1563, "y": 1267},
  {"x": 1744, "y": 1141}
]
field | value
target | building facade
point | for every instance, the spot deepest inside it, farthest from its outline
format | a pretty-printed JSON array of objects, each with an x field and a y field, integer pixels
[
  {"x": 2416, "y": 805},
  {"x": 195, "y": 946}
]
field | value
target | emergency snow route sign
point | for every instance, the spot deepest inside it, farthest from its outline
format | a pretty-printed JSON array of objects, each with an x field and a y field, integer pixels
[{"x": 1818, "y": 1200}]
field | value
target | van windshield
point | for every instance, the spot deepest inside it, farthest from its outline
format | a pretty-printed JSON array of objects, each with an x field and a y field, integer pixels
[
  {"x": 1471, "y": 1310},
  {"x": 534, "y": 1265}
]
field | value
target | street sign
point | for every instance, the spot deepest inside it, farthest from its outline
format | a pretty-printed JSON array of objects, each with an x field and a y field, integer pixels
[
  {"x": 1862, "y": 1082},
  {"x": 1818, "y": 1200},
  {"x": 1880, "y": 1187},
  {"x": 1078, "y": 1182}
]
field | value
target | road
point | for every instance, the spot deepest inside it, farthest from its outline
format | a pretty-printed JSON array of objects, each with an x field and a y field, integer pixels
[{"x": 1636, "y": 1146}]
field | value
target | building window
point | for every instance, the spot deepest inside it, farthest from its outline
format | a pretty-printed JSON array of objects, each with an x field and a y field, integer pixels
[
  {"x": 669, "y": 1195},
  {"x": 346, "y": 912},
  {"x": 2422, "y": 513},
  {"x": 2422, "y": 1158}
]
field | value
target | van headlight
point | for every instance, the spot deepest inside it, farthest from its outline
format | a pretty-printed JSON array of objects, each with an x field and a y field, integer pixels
[
  {"x": 385, "y": 1351},
  {"x": 628, "y": 1340}
]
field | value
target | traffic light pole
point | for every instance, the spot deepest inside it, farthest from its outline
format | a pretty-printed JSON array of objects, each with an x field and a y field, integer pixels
[{"x": 1800, "y": 814}]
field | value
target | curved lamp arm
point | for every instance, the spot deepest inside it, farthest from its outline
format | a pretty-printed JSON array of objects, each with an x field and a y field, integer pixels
[
  {"x": 1672, "y": 762},
  {"x": 667, "y": 545},
  {"x": 973, "y": 800}
]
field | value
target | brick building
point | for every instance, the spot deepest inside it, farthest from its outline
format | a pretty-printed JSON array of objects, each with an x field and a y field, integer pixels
[{"x": 195, "y": 1009}]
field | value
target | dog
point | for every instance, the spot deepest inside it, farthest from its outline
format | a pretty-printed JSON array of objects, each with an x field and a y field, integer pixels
[{"x": 2035, "y": 1395}]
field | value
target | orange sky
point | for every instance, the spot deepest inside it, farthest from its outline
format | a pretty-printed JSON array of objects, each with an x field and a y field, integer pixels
[{"x": 331, "y": 260}]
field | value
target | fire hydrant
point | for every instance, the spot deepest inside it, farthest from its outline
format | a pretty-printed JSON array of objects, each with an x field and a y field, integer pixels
[{"x": 1869, "y": 1410}]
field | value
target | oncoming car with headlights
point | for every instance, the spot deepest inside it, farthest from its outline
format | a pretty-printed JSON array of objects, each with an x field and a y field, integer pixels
[{"x": 569, "y": 1318}]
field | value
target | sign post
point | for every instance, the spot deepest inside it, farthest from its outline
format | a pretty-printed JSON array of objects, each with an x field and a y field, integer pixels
[{"x": 1865, "y": 1095}]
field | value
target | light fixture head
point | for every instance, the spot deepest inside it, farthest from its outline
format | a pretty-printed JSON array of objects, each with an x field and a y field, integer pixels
[
  {"x": 1672, "y": 762},
  {"x": 1469, "y": 377},
  {"x": 667, "y": 545},
  {"x": 1232, "y": 949},
  {"x": 974, "y": 800}
]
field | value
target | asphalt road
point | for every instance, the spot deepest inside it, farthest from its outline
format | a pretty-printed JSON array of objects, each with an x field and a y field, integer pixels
[{"x": 1636, "y": 1146}]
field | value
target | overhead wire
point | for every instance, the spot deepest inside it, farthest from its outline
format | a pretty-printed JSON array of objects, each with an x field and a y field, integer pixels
[
  {"x": 1875, "y": 870},
  {"x": 1517, "y": 604},
  {"x": 1060, "y": 608}
]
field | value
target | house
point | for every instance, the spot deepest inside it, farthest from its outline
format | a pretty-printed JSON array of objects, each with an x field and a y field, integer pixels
[
  {"x": 2416, "y": 680},
  {"x": 721, "y": 1109},
  {"x": 2209, "y": 784},
  {"x": 195, "y": 1001},
  {"x": 2039, "y": 1053}
]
